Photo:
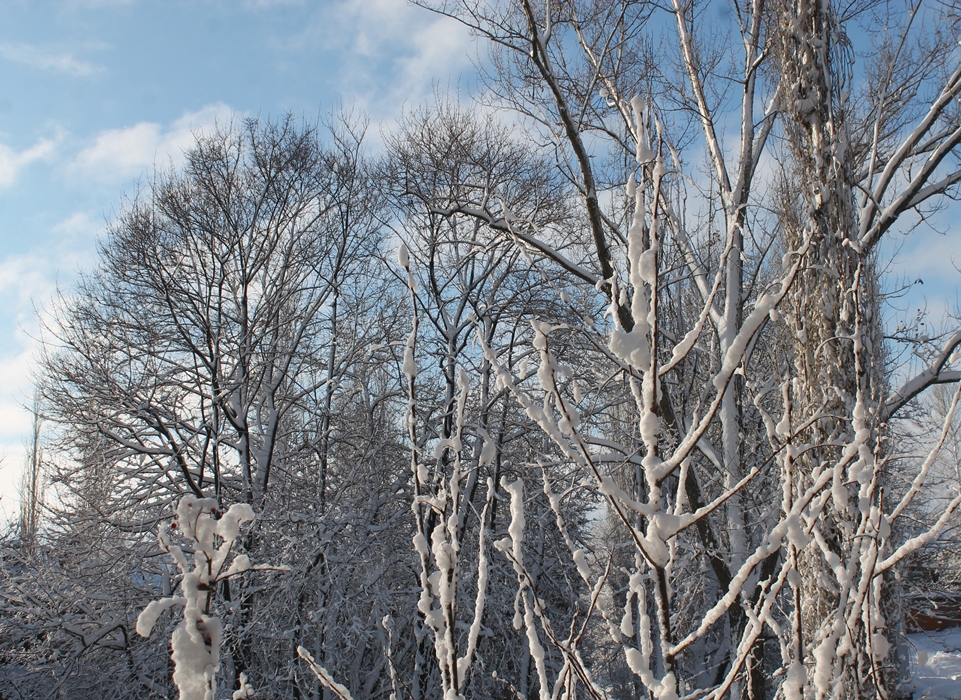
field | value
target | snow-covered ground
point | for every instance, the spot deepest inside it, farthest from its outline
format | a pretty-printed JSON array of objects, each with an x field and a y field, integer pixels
[{"x": 936, "y": 665}]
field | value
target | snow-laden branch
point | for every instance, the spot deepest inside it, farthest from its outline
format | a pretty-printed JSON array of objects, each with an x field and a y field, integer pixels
[
  {"x": 875, "y": 220},
  {"x": 323, "y": 675},
  {"x": 504, "y": 226},
  {"x": 934, "y": 373},
  {"x": 196, "y": 640},
  {"x": 929, "y": 461},
  {"x": 732, "y": 360},
  {"x": 915, "y": 543}
]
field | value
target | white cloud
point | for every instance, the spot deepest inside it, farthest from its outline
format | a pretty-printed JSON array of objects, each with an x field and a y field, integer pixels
[
  {"x": 79, "y": 228},
  {"x": 391, "y": 52},
  {"x": 119, "y": 154},
  {"x": 22, "y": 278},
  {"x": 442, "y": 48},
  {"x": 15, "y": 377},
  {"x": 28, "y": 282},
  {"x": 11, "y": 162},
  {"x": 47, "y": 58}
]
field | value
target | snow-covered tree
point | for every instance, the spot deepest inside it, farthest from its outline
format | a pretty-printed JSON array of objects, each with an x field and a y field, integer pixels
[
  {"x": 620, "y": 420},
  {"x": 745, "y": 313},
  {"x": 223, "y": 348}
]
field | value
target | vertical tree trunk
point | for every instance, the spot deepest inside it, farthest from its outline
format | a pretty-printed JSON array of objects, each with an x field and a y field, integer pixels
[{"x": 836, "y": 324}]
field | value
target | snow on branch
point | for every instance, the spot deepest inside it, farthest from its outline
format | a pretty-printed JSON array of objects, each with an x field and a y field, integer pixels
[
  {"x": 934, "y": 373},
  {"x": 874, "y": 221},
  {"x": 195, "y": 643},
  {"x": 323, "y": 675}
]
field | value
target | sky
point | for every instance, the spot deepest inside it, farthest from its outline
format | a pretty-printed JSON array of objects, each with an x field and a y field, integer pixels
[{"x": 97, "y": 92}]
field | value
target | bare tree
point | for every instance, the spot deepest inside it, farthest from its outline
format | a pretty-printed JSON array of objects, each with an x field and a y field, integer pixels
[
  {"x": 31, "y": 482},
  {"x": 222, "y": 349}
]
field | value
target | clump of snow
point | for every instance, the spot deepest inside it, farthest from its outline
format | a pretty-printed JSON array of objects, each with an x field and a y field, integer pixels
[
  {"x": 410, "y": 365},
  {"x": 148, "y": 618},
  {"x": 245, "y": 691},
  {"x": 793, "y": 685},
  {"x": 195, "y": 643}
]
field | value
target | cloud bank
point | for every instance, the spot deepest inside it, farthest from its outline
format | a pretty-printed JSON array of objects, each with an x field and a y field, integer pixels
[{"x": 121, "y": 154}]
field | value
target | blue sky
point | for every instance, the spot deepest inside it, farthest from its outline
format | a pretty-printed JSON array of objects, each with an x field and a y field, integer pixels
[{"x": 95, "y": 92}]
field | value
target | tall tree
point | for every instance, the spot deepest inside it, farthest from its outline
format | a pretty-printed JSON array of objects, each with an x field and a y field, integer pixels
[
  {"x": 850, "y": 171},
  {"x": 221, "y": 348}
]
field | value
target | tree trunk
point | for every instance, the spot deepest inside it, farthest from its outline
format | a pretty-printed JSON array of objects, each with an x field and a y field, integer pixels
[{"x": 836, "y": 330}]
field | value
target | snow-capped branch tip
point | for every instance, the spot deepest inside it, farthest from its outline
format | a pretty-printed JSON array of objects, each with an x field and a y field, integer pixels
[
  {"x": 323, "y": 675},
  {"x": 148, "y": 618},
  {"x": 245, "y": 690}
]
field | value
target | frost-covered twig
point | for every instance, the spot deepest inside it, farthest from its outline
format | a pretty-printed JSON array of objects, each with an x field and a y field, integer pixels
[{"x": 323, "y": 675}]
